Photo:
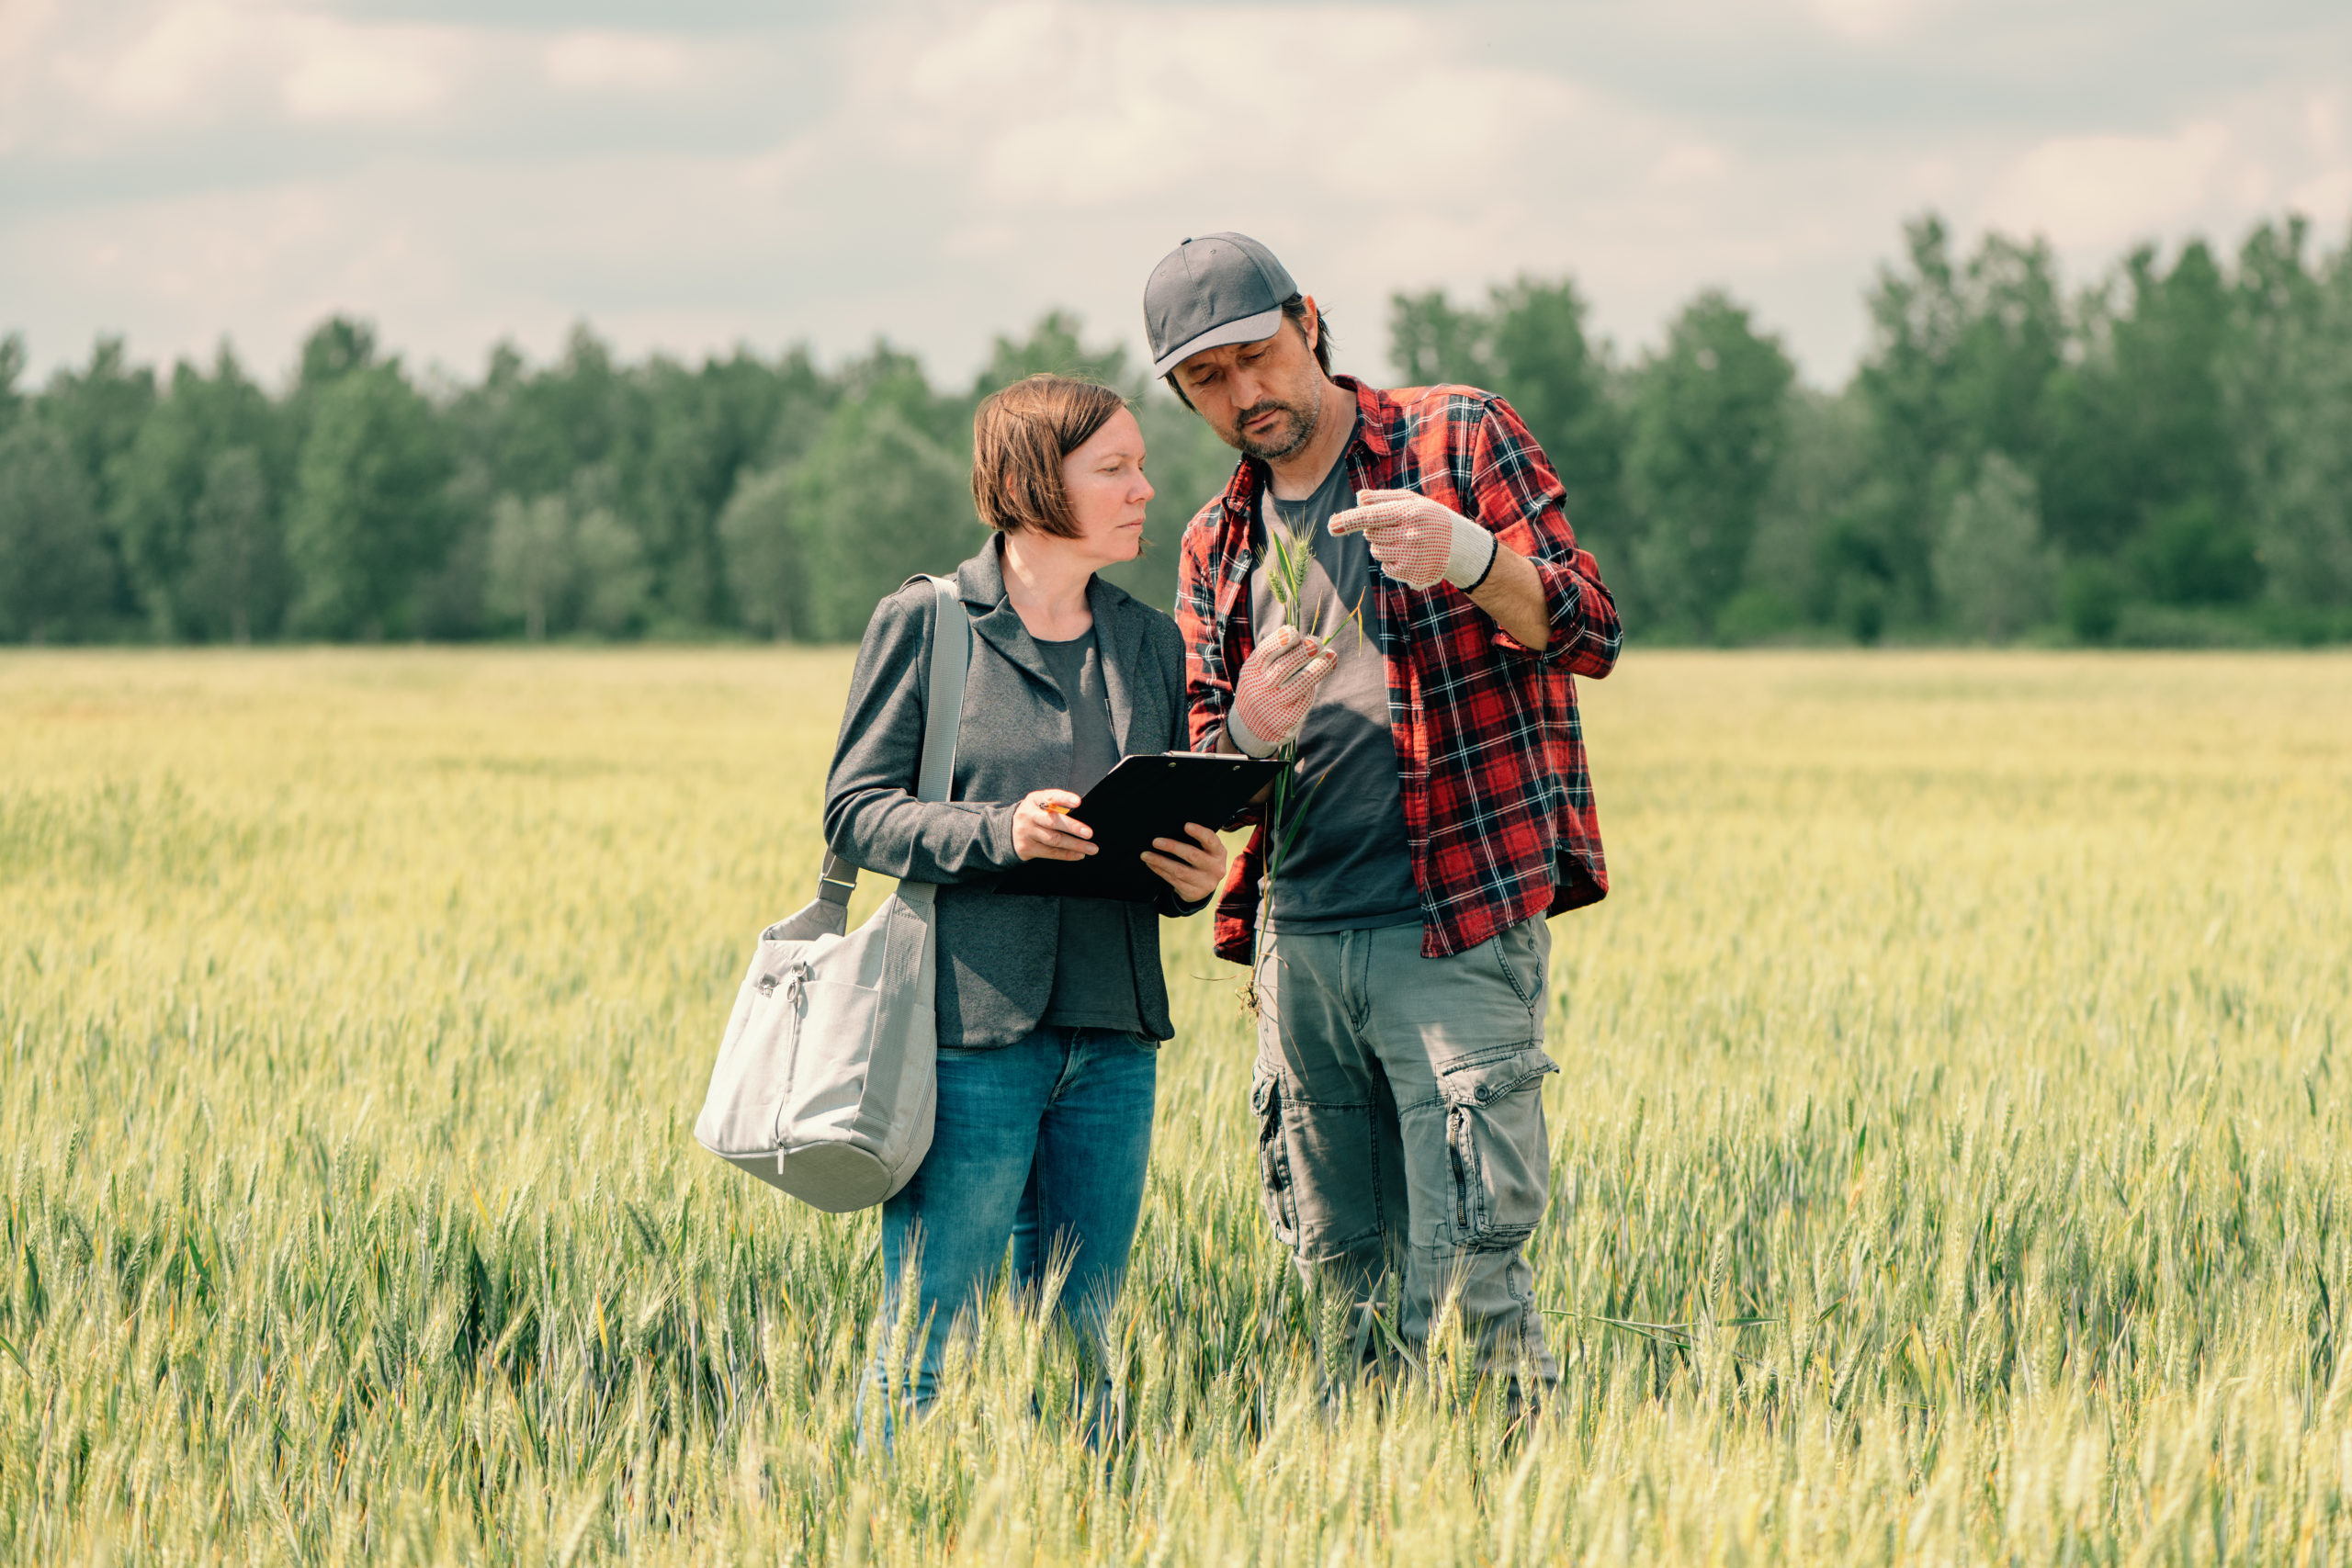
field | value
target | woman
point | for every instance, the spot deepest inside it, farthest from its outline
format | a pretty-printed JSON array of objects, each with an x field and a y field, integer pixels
[{"x": 1049, "y": 1009}]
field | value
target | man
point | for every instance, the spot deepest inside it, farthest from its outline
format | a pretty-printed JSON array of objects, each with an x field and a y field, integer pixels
[{"x": 1446, "y": 810}]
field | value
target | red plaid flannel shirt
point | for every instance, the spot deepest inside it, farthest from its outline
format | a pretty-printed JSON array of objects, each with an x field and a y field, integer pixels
[{"x": 1499, "y": 810}]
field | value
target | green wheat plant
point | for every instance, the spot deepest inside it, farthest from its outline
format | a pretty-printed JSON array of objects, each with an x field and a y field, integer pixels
[
  {"x": 1290, "y": 560},
  {"x": 1951, "y": 1155}
]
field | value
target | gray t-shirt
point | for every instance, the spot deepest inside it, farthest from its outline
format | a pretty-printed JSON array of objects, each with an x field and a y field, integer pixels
[
  {"x": 1094, "y": 974},
  {"x": 1349, "y": 868}
]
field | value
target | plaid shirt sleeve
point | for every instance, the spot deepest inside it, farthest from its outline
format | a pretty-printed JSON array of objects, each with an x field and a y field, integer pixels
[
  {"x": 1498, "y": 793},
  {"x": 1521, "y": 499},
  {"x": 1208, "y": 685}
]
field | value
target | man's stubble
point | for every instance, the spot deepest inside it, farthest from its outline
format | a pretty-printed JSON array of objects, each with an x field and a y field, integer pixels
[{"x": 1306, "y": 419}]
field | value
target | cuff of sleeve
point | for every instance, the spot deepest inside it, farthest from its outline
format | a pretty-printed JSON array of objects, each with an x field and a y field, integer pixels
[
  {"x": 998, "y": 831},
  {"x": 1177, "y": 909},
  {"x": 1250, "y": 745},
  {"x": 1471, "y": 555},
  {"x": 1563, "y": 601}
]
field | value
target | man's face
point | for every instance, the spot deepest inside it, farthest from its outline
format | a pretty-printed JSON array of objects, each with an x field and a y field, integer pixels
[{"x": 1262, "y": 398}]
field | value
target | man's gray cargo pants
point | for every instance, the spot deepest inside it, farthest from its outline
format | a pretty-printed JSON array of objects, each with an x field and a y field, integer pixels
[{"x": 1401, "y": 1117}]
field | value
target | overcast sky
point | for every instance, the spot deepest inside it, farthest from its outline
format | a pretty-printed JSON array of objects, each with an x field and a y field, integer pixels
[{"x": 689, "y": 174}]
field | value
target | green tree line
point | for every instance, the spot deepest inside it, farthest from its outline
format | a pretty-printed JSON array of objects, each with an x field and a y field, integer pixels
[{"x": 2164, "y": 456}]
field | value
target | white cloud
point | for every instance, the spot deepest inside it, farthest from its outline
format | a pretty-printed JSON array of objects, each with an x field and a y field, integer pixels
[
  {"x": 2323, "y": 124},
  {"x": 943, "y": 170},
  {"x": 24, "y": 26},
  {"x": 2326, "y": 191},
  {"x": 2105, "y": 190},
  {"x": 1059, "y": 103},
  {"x": 2326, "y": 196},
  {"x": 164, "y": 68},
  {"x": 2248, "y": 158},
  {"x": 339, "y": 71},
  {"x": 195, "y": 63},
  {"x": 634, "y": 62},
  {"x": 1864, "y": 21},
  {"x": 1693, "y": 162}
]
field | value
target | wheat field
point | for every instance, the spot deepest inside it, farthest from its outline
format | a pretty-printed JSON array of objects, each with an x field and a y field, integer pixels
[{"x": 1950, "y": 1154}]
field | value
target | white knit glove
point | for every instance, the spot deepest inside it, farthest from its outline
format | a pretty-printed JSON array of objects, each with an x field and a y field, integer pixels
[
  {"x": 1275, "y": 689},
  {"x": 1417, "y": 541}
]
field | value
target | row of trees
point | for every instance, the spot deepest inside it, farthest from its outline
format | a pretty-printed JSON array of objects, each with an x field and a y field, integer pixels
[
  {"x": 581, "y": 498},
  {"x": 2166, "y": 457}
]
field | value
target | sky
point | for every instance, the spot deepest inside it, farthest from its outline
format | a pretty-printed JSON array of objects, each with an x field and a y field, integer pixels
[{"x": 692, "y": 174}]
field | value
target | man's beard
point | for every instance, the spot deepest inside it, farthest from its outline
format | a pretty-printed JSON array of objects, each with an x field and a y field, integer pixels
[{"x": 1304, "y": 419}]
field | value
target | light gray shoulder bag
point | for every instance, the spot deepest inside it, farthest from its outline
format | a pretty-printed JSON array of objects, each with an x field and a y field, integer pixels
[{"x": 828, "y": 1074}]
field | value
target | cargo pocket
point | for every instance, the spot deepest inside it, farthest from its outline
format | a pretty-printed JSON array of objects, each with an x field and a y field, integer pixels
[
  {"x": 1496, "y": 1145},
  {"x": 1273, "y": 1158}
]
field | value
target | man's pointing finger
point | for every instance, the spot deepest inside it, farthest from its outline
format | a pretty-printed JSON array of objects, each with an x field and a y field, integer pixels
[{"x": 1386, "y": 513}]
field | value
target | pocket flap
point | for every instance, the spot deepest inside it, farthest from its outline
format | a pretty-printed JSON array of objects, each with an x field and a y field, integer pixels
[{"x": 1482, "y": 1082}]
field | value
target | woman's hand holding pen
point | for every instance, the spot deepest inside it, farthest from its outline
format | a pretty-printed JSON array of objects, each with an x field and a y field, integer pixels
[{"x": 1042, "y": 829}]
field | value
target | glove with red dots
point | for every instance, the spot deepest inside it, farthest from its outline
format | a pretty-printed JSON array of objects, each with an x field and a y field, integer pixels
[
  {"x": 1275, "y": 689},
  {"x": 1418, "y": 542}
]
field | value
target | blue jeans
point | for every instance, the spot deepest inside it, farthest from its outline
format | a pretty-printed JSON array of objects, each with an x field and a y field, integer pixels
[{"x": 1043, "y": 1142}]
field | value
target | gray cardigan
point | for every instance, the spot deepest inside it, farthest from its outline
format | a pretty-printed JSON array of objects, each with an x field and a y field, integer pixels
[{"x": 996, "y": 951}]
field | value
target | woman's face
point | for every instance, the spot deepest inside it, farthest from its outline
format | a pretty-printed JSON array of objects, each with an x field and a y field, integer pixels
[{"x": 1103, "y": 480}]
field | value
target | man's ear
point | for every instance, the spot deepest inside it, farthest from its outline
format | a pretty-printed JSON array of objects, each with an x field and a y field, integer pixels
[{"x": 1311, "y": 329}]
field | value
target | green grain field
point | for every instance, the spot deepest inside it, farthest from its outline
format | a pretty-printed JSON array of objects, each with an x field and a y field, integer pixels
[{"x": 1950, "y": 1152}]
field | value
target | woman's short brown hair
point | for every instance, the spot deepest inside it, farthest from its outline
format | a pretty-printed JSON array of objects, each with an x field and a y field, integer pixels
[{"x": 1020, "y": 435}]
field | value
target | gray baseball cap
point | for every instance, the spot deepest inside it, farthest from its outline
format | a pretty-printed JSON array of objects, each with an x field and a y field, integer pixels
[{"x": 1208, "y": 292}]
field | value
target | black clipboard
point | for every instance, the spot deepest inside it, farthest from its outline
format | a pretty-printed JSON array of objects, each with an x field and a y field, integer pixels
[{"x": 1145, "y": 798}]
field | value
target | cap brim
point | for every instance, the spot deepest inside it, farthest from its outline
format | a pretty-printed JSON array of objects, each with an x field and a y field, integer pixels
[{"x": 1249, "y": 329}]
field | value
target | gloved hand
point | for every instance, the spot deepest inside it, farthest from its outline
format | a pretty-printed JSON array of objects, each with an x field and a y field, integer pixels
[
  {"x": 1275, "y": 689},
  {"x": 1417, "y": 541}
]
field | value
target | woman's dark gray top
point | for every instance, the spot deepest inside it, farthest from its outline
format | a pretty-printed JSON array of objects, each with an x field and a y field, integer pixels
[
  {"x": 1094, "y": 977},
  {"x": 997, "y": 951}
]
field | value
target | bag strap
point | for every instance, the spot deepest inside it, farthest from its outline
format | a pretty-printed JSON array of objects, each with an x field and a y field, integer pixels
[{"x": 951, "y": 660}]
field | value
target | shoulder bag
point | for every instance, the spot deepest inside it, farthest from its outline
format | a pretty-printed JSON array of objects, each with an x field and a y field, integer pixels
[{"x": 828, "y": 1074}]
